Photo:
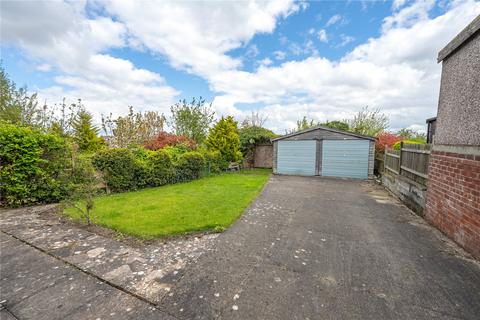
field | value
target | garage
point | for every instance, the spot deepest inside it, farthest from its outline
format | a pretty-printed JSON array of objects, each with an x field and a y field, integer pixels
[{"x": 322, "y": 151}]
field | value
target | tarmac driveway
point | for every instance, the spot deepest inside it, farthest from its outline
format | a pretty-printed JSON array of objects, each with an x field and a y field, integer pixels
[{"x": 312, "y": 248}]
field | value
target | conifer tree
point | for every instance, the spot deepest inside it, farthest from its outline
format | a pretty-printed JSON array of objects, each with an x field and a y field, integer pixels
[{"x": 224, "y": 138}]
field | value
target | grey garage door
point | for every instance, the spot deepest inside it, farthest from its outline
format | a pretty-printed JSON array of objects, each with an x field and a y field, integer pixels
[
  {"x": 345, "y": 158},
  {"x": 296, "y": 157}
]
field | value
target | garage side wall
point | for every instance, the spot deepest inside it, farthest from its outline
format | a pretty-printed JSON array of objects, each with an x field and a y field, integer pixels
[
  {"x": 371, "y": 159},
  {"x": 274, "y": 158}
]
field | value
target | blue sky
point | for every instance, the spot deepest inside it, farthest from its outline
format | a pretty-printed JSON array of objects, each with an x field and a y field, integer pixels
[{"x": 285, "y": 59}]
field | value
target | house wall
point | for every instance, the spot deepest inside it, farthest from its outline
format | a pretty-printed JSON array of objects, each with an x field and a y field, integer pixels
[
  {"x": 458, "y": 116},
  {"x": 453, "y": 197},
  {"x": 320, "y": 135},
  {"x": 453, "y": 187}
]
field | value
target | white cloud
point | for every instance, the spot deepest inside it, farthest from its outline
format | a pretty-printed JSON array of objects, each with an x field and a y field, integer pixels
[
  {"x": 110, "y": 85},
  {"x": 333, "y": 19},
  {"x": 345, "y": 40},
  {"x": 252, "y": 51},
  {"x": 265, "y": 62},
  {"x": 44, "y": 67},
  {"x": 398, "y": 4},
  {"x": 279, "y": 55},
  {"x": 396, "y": 70},
  {"x": 60, "y": 36},
  {"x": 196, "y": 36},
  {"x": 322, "y": 35}
]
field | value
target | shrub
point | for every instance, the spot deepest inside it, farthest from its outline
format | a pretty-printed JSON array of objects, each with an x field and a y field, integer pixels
[
  {"x": 252, "y": 136},
  {"x": 34, "y": 166},
  {"x": 164, "y": 139},
  {"x": 223, "y": 137},
  {"x": 85, "y": 186},
  {"x": 175, "y": 152},
  {"x": 161, "y": 168},
  {"x": 386, "y": 139},
  {"x": 214, "y": 162},
  {"x": 397, "y": 145},
  {"x": 119, "y": 168},
  {"x": 189, "y": 166}
]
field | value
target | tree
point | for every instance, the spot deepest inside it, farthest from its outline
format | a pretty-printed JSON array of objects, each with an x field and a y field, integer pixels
[
  {"x": 165, "y": 139},
  {"x": 386, "y": 139},
  {"x": 84, "y": 187},
  {"x": 369, "y": 122},
  {"x": 224, "y": 138},
  {"x": 339, "y": 125},
  {"x": 409, "y": 134},
  {"x": 192, "y": 119},
  {"x": 135, "y": 128},
  {"x": 254, "y": 120},
  {"x": 19, "y": 107},
  {"x": 252, "y": 136},
  {"x": 303, "y": 124},
  {"x": 85, "y": 133}
]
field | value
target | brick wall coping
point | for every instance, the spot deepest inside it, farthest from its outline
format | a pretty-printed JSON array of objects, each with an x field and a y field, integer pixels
[{"x": 468, "y": 150}]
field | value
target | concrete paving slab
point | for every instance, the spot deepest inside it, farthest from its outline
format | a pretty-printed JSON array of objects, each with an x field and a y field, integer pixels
[{"x": 35, "y": 285}]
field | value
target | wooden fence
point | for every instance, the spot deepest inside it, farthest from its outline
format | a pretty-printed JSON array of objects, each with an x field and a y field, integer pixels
[{"x": 410, "y": 161}]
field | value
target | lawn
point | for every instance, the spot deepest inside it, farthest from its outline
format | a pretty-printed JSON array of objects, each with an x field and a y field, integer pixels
[{"x": 209, "y": 203}]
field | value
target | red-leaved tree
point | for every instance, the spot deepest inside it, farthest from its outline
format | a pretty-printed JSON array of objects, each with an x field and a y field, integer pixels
[
  {"x": 164, "y": 139},
  {"x": 386, "y": 139}
]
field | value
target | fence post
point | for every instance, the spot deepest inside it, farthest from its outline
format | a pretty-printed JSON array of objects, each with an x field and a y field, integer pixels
[
  {"x": 400, "y": 159},
  {"x": 384, "y": 158}
]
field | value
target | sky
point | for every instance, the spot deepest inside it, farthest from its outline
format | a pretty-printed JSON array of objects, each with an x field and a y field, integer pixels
[{"x": 284, "y": 59}]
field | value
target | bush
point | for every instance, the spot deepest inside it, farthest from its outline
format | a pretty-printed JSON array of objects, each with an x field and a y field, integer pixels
[
  {"x": 85, "y": 186},
  {"x": 214, "y": 162},
  {"x": 386, "y": 139},
  {"x": 161, "y": 166},
  {"x": 34, "y": 166},
  {"x": 164, "y": 139},
  {"x": 397, "y": 145},
  {"x": 175, "y": 152},
  {"x": 189, "y": 166},
  {"x": 119, "y": 168},
  {"x": 223, "y": 137}
]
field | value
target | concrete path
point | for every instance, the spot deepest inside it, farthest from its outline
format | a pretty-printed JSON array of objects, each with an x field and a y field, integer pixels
[
  {"x": 37, "y": 286},
  {"x": 312, "y": 248},
  {"x": 307, "y": 248},
  {"x": 39, "y": 251}
]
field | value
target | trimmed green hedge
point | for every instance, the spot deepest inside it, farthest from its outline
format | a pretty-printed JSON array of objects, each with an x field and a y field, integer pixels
[
  {"x": 131, "y": 169},
  {"x": 35, "y": 167}
]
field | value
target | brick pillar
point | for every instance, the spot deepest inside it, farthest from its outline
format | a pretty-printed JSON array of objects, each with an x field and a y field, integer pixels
[{"x": 453, "y": 197}]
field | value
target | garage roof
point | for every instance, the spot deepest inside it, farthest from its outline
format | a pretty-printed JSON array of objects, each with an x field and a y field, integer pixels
[{"x": 327, "y": 129}]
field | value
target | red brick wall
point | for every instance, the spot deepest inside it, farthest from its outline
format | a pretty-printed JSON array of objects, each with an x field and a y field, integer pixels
[{"x": 453, "y": 197}]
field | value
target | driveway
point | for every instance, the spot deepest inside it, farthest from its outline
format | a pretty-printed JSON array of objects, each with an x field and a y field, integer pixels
[
  {"x": 307, "y": 248},
  {"x": 312, "y": 248}
]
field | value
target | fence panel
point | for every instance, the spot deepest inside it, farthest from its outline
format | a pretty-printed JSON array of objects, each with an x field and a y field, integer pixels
[
  {"x": 392, "y": 161},
  {"x": 410, "y": 161},
  {"x": 414, "y": 162}
]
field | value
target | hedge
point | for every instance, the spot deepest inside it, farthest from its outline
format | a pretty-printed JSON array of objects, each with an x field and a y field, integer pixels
[
  {"x": 35, "y": 167},
  {"x": 131, "y": 169}
]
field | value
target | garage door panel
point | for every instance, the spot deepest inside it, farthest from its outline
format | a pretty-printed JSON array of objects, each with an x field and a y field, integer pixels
[
  {"x": 296, "y": 157},
  {"x": 345, "y": 158}
]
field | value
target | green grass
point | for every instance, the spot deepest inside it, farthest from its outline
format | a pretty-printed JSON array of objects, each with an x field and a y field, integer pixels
[{"x": 209, "y": 203}]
